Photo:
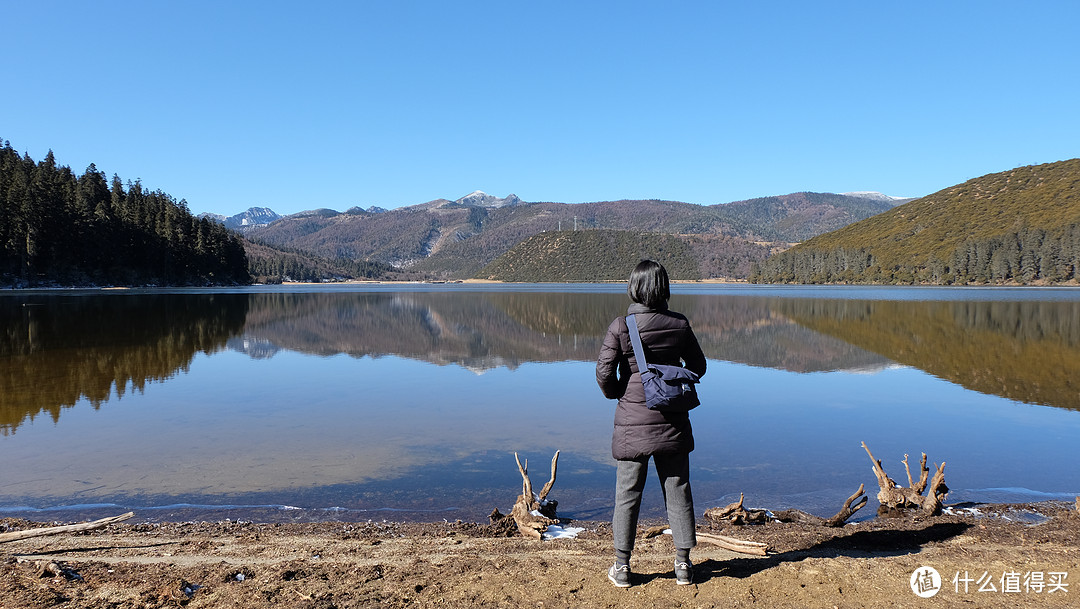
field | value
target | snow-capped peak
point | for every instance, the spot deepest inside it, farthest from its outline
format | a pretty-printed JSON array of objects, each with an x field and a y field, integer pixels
[
  {"x": 479, "y": 198},
  {"x": 871, "y": 194}
]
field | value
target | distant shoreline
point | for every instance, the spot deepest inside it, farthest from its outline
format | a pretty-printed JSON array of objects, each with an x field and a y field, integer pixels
[{"x": 496, "y": 281}]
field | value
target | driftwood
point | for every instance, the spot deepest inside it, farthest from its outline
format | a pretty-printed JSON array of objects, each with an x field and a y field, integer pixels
[
  {"x": 839, "y": 520},
  {"x": 728, "y": 543},
  {"x": 735, "y": 545},
  {"x": 69, "y": 528},
  {"x": 892, "y": 497},
  {"x": 735, "y": 513},
  {"x": 534, "y": 512}
]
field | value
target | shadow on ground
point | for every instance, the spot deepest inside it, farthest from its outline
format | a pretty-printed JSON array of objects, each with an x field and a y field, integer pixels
[{"x": 859, "y": 544}]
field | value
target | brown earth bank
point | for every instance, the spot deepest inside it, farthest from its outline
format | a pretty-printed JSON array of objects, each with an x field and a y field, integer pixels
[{"x": 1020, "y": 555}]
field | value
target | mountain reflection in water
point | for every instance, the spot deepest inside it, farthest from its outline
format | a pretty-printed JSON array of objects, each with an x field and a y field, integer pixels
[
  {"x": 481, "y": 331},
  {"x": 59, "y": 349},
  {"x": 325, "y": 396}
]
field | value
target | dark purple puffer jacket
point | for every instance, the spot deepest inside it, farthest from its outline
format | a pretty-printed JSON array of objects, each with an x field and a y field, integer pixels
[{"x": 667, "y": 339}]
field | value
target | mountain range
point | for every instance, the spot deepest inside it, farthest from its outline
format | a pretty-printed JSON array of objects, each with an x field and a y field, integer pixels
[
  {"x": 455, "y": 239},
  {"x": 253, "y": 217}
]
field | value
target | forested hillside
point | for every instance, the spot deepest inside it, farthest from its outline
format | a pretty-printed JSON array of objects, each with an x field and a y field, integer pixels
[
  {"x": 269, "y": 264},
  {"x": 1015, "y": 227},
  {"x": 796, "y": 217},
  {"x": 609, "y": 255},
  {"x": 57, "y": 228}
]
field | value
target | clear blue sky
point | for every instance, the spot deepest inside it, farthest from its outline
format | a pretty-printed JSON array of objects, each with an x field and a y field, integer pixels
[{"x": 300, "y": 105}]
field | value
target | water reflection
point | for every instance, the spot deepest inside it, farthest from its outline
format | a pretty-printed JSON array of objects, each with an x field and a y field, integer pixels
[
  {"x": 478, "y": 331},
  {"x": 417, "y": 399},
  {"x": 57, "y": 350},
  {"x": 1022, "y": 350},
  {"x": 481, "y": 331}
]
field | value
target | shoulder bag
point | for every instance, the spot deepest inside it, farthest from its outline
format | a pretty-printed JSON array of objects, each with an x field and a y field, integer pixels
[{"x": 667, "y": 388}]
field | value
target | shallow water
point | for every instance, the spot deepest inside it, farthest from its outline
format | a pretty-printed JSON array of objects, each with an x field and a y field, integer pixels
[{"x": 408, "y": 402}]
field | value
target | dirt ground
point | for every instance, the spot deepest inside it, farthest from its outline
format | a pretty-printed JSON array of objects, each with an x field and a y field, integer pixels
[{"x": 1029, "y": 554}]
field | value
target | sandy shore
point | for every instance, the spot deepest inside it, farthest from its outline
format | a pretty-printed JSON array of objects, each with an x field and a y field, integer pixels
[{"x": 1029, "y": 554}]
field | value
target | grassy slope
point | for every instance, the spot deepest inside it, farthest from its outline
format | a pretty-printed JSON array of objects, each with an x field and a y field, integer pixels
[{"x": 1037, "y": 196}]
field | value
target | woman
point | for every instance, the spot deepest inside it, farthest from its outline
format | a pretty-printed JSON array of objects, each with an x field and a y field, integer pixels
[{"x": 641, "y": 433}]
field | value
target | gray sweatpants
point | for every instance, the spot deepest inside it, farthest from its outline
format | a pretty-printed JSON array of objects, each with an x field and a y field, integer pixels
[{"x": 674, "y": 474}]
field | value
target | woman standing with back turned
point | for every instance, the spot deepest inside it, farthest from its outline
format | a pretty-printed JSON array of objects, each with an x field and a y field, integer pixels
[{"x": 641, "y": 433}]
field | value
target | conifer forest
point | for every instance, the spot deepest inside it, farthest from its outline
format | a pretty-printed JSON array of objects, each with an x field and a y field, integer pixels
[{"x": 57, "y": 228}]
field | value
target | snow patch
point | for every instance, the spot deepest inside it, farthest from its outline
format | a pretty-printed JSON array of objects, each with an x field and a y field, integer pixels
[
  {"x": 968, "y": 511},
  {"x": 555, "y": 531},
  {"x": 873, "y": 194}
]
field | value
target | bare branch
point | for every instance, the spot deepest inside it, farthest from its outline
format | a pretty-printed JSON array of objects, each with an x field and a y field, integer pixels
[
  {"x": 551, "y": 482},
  {"x": 924, "y": 472},
  {"x": 69, "y": 528},
  {"x": 526, "y": 484},
  {"x": 884, "y": 481},
  {"x": 735, "y": 545},
  {"x": 847, "y": 511}
]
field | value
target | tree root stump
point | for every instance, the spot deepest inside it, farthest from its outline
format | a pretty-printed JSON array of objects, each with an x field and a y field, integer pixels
[
  {"x": 897, "y": 498},
  {"x": 532, "y": 512},
  {"x": 501, "y": 525}
]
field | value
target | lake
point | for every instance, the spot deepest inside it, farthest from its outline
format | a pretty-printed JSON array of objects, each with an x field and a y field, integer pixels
[{"x": 408, "y": 402}]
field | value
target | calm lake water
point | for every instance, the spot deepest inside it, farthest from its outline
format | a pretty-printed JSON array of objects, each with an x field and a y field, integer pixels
[{"x": 408, "y": 402}]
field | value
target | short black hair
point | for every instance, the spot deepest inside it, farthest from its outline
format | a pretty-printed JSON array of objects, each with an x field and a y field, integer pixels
[{"x": 648, "y": 284}]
